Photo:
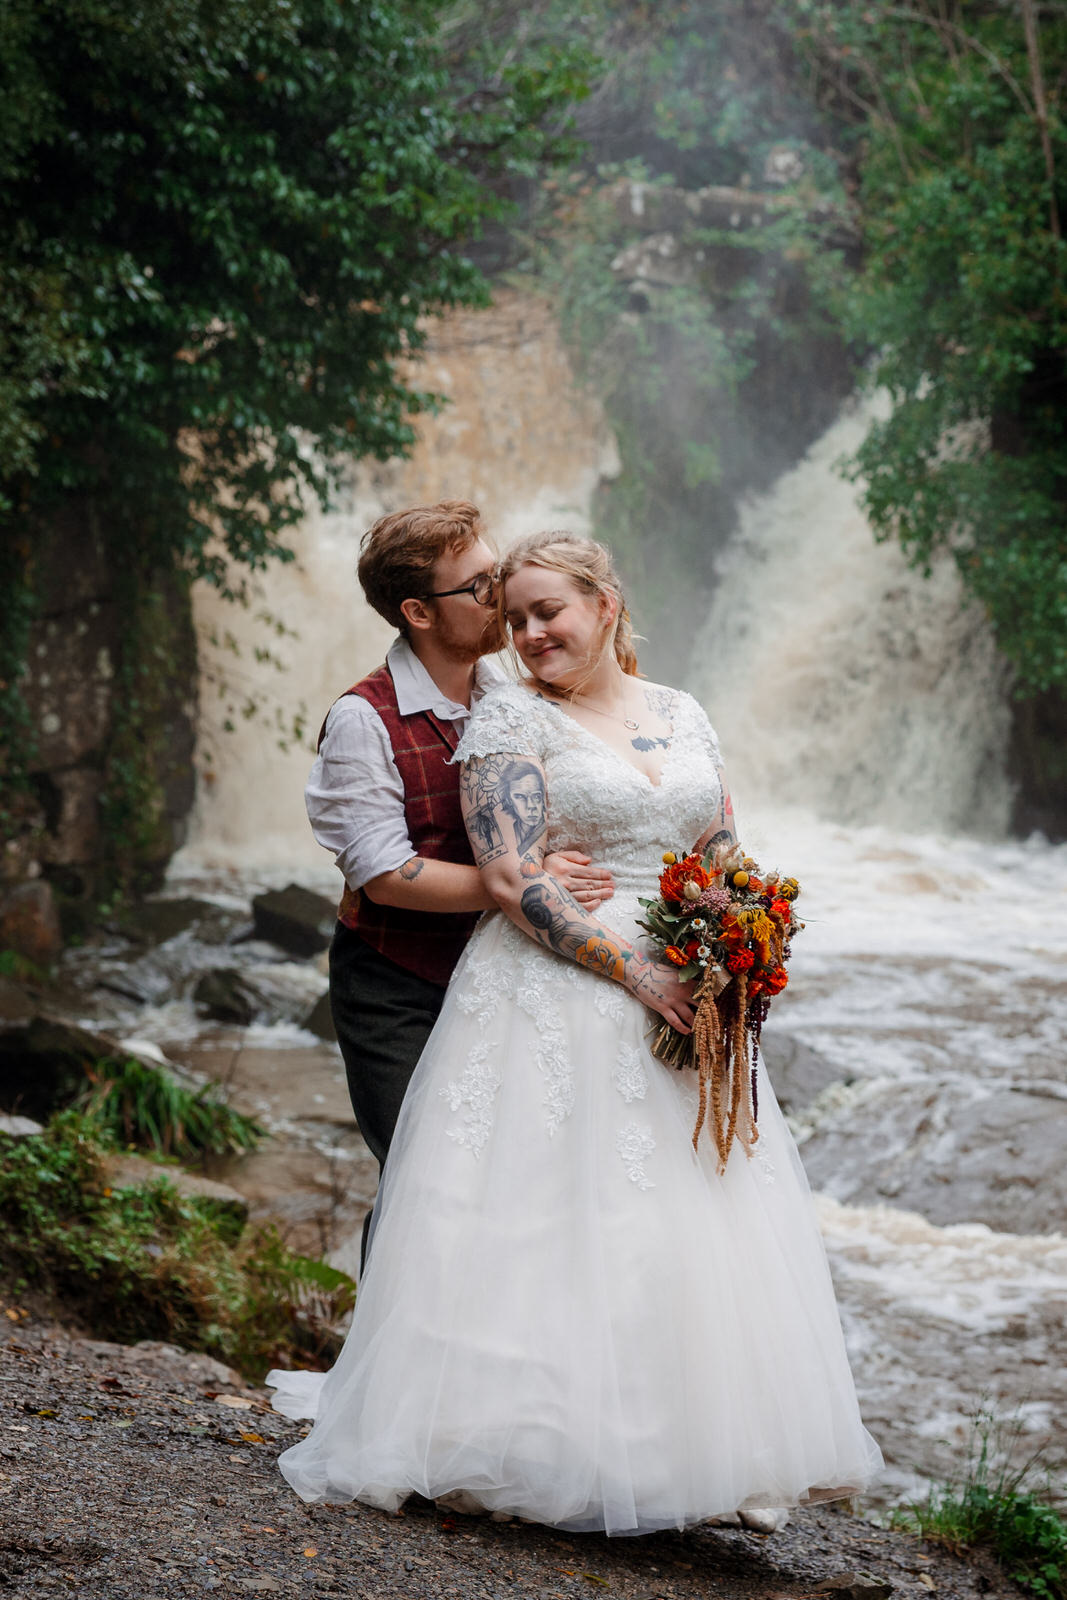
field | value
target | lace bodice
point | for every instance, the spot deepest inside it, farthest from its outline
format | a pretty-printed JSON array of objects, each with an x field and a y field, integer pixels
[{"x": 597, "y": 800}]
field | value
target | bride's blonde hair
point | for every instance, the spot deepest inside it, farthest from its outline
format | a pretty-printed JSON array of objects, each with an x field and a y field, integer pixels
[{"x": 589, "y": 566}]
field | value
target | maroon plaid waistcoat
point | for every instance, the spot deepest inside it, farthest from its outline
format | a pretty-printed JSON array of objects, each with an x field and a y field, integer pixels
[{"x": 427, "y": 943}]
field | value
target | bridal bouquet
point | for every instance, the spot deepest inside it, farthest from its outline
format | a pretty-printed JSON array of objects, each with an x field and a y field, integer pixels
[{"x": 719, "y": 918}]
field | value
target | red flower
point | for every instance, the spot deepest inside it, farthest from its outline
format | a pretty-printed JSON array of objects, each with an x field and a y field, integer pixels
[
  {"x": 775, "y": 980},
  {"x": 782, "y": 909},
  {"x": 691, "y": 948},
  {"x": 740, "y": 961}
]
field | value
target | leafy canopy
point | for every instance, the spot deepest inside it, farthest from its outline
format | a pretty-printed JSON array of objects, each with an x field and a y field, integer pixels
[
  {"x": 221, "y": 226},
  {"x": 964, "y": 294}
]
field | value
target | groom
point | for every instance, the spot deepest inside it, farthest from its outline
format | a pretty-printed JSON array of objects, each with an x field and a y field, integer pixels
[{"x": 384, "y": 799}]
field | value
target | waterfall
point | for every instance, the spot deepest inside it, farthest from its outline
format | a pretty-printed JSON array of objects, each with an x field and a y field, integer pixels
[{"x": 840, "y": 680}]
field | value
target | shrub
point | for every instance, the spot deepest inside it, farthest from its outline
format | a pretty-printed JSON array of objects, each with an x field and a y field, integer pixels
[{"x": 146, "y": 1263}]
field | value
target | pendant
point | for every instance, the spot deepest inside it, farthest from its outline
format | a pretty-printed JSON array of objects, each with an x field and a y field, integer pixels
[{"x": 626, "y": 722}]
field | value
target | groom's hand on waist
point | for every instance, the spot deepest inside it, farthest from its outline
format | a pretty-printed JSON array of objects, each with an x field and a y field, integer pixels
[{"x": 590, "y": 885}]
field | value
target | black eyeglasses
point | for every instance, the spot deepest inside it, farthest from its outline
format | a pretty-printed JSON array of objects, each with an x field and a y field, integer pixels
[{"x": 483, "y": 589}]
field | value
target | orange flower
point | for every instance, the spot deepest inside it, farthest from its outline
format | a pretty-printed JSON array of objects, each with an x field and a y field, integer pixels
[
  {"x": 673, "y": 953},
  {"x": 782, "y": 908},
  {"x": 674, "y": 877},
  {"x": 775, "y": 980}
]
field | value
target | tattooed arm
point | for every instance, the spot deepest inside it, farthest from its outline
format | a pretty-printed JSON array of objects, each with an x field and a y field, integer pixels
[
  {"x": 422, "y": 884},
  {"x": 503, "y": 798},
  {"x": 722, "y": 829}
]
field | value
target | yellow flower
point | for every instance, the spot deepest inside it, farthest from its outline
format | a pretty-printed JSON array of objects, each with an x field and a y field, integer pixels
[
  {"x": 669, "y": 858},
  {"x": 739, "y": 880}
]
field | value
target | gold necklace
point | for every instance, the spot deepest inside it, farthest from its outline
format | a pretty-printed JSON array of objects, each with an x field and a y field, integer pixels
[{"x": 614, "y": 716}]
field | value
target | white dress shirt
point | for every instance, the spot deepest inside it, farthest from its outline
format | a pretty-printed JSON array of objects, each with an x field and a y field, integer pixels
[{"x": 354, "y": 796}]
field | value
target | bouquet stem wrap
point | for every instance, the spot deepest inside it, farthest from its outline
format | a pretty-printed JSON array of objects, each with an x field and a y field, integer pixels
[{"x": 722, "y": 1047}]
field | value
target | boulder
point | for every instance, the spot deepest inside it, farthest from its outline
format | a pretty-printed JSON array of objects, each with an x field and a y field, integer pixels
[
  {"x": 225, "y": 995},
  {"x": 15, "y": 1004},
  {"x": 296, "y": 919},
  {"x": 224, "y": 1207},
  {"x": 29, "y": 922},
  {"x": 156, "y": 921},
  {"x": 855, "y": 1586},
  {"x": 19, "y": 1127},
  {"x": 43, "y": 1065},
  {"x": 153, "y": 1361},
  {"x": 319, "y": 1019},
  {"x": 798, "y": 1073}
]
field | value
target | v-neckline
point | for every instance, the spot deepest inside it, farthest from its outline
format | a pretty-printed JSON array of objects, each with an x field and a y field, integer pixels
[{"x": 603, "y": 743}]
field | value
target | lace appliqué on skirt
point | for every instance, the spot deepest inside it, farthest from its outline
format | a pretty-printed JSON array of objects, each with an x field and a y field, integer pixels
[
  {"x": 629, "y": 1075},
  {"x": 635, "y": 1144},
  {"x": 477, "y": 1088}
]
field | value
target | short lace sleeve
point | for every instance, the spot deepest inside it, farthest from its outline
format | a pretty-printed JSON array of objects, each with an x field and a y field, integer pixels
[{"x": 507, "y": 720}]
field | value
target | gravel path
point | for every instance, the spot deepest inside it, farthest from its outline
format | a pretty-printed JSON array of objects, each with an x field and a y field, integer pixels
[{"x": 130, "y": 1473}]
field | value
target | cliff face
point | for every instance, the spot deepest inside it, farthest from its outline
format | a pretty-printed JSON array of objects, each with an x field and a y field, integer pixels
[{"x": 90, "y": 715}]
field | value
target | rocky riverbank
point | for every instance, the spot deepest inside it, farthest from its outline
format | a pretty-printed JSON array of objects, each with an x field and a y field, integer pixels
[{"x": 130, "y": 1473}]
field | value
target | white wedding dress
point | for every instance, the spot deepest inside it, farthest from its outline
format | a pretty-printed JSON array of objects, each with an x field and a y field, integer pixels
[{"x": 567, "y": 1314}]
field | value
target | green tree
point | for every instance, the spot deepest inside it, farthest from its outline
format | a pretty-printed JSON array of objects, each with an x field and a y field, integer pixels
[
  {"x": 221, "y": 229},
  {"x": 963, "y": 184}
]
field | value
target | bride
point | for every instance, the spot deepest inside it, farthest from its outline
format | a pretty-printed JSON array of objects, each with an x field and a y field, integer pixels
[{"x": 567, "y": 1315}]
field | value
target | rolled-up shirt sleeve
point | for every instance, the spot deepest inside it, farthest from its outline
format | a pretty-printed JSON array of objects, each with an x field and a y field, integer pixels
[{"x": 354, "y": 796}]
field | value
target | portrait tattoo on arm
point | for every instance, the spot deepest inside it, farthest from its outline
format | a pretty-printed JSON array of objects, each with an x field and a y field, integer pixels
[
  {"x": 499, "y": 787},
  {"x": 495, "y": 787}
]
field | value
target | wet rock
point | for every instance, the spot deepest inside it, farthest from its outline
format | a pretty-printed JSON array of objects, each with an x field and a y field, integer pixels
[
  {"x": 296, "y": 919},
  {"x": 161, "y": 1363},
  {"x": 43, "y": 1065},
  {"x": 156, "y": 921},
  {"x": 949, "y": 1150},
  {"x": 798, "y": 1073},
  {"x": 19, "y": 1127},
  {"x": 319, "y": 1019},
  {"x": 29, "y": 922},
  {"x": 15, "y": 1004},
  {"x": 225, "y": 995},
  {"x": 220, "y": 1204},
  {"x": 855, "y": 1586}
]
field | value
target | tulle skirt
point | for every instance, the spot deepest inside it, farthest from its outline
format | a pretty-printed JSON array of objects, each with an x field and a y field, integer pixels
[{"x": 567, "y": 1315}]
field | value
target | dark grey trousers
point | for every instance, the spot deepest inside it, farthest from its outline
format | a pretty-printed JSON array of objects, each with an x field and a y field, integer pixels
[{"x": 383, "y": 1016}]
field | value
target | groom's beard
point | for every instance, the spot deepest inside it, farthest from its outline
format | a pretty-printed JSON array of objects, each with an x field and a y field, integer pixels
[{"x": 461, "y": 647}]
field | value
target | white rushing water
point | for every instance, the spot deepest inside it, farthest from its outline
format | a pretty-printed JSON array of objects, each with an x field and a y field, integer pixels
[{"x": 864, "y": 719}]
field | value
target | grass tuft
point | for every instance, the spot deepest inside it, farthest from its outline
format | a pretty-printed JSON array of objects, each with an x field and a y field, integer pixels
[
  {"x": 141, "y": 1105},
  {"x": 995, "y": 1504}
]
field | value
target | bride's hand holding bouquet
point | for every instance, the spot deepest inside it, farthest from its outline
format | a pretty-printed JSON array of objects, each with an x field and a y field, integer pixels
[{"x": 725, "y": 926}]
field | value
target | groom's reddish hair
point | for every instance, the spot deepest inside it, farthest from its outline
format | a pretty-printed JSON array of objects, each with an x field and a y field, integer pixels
[{"x": 397, "y": 554}]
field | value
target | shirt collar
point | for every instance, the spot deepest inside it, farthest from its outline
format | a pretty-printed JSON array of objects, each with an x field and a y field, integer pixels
[{"x": 416, "y": 690}]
